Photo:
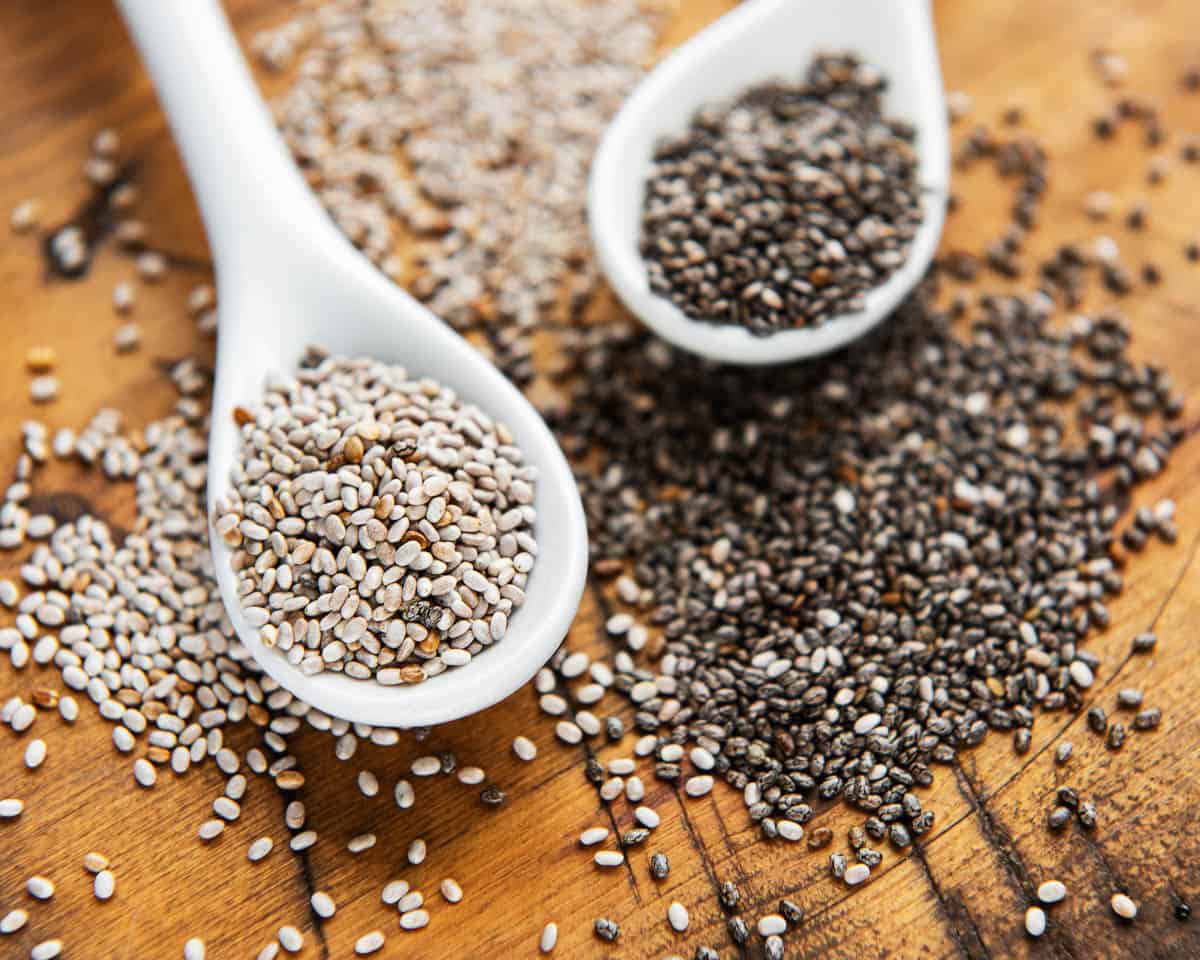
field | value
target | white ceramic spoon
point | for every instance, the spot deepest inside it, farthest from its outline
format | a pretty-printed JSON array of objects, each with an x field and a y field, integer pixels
[
  {"x": 286, "y": 277},
  {"x": 759, "y": 41}
]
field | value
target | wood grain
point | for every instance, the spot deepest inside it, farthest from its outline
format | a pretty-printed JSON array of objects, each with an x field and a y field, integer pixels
[{"x": 68, "y": 69}]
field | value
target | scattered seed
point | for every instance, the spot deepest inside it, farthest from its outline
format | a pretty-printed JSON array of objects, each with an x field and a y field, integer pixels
[
  {"x": 1123, "y": 906},
  {"x": 1052, "y": 891},
  {"x": 40, "y": 887},
  {"x": 660, "y": 866},
  {"x": 211, "y": 829},
  {"x": 414, "y": 920},
  {"x": 593, "y": 835},
  {"x": 259, "y": 849},
  {"x": 368, "y": 783},
  {"x": 524, "y": 748},
  {"x": 361, "y": 843},
  {"x": 609, "y": 858},
  {"x": 291, "y": 939},
  {"x": 451, "y": 891},
  {"x": 1035, "y": 921},
  {"x": 24, "y": 216},
  {"x": 606, "y": 929},
  {"x": 46, "y": 950},
  {"x": 13, "y": 921},
  {"x": 95, "y": 862},
  {"x": 323, "y": 905},
  {"x": 369, "y": 943},
  {"x": 792, "y": 912},
  {"x": 549, "y": 938},
  {"x": 43, "y": 389},
  {"x": 35, "y": 754},
  {"x": 677, "y": 916}
]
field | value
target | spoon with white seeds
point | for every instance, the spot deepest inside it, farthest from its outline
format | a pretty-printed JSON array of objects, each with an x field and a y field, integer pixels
[{"x": 287, "y": 278}]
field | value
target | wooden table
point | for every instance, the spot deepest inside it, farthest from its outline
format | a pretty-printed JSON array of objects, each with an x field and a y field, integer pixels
[{"x": 68, "y": 70}]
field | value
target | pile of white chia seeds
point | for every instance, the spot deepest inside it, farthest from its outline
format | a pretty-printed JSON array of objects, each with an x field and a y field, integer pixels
[
  {"x": 495, "y": 109},
  {"x": 380, "y": 527}
]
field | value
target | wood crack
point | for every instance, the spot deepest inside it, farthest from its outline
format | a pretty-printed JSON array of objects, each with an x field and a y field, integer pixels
[
  {"x": 697, "y": 843},
  {"x": 310, "y": 885},
  {"x": 1001, "y": 843},
  {"x": 958, "y": 920}
]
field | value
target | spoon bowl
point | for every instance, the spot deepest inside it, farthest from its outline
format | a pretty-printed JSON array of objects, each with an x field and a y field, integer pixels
[
  {"x": 287, "y": 278},
  {"x": 765, "y": 40}
]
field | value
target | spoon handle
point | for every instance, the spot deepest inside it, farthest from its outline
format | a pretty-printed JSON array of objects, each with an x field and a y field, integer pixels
[{"x": 250, "y": 194}]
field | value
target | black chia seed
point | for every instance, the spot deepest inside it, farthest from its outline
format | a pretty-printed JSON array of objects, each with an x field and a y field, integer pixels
[{"x": 783, "y": 208}]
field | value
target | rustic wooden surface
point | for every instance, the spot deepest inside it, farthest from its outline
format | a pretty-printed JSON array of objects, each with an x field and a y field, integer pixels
[{"x": 67, "y": 69}]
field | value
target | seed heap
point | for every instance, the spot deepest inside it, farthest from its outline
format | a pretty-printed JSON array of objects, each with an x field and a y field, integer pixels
[
  {"x": 380, "y": 527},
  {"x": 859, "y": 566},
  {"x": 497, "y": 108},
  {"x": 785, "y": 207}
]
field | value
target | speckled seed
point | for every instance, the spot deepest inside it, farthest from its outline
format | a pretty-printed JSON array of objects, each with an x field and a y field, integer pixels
[
  {"x": 1123, "y": 906},
  {"x": 13, "y": 921},
  {"x": 549, "y": 937},
  {"x": 1035, "y": 921},
  {"x": 369, "y": 943},
  {"x": 414, "y": 920},
  {"x": 451, "y": 891},
  {"x": 677, "y": 916},
  {"x": 323, "y": 905},
  {"x": 105, "y": 885},
  {"x": 290, "y": 939},
  {"x": 1052, "y": 891},
  {"x": 404, "y": 794}
]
